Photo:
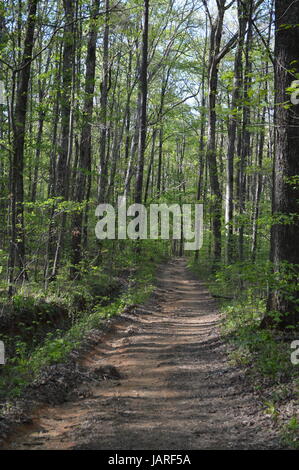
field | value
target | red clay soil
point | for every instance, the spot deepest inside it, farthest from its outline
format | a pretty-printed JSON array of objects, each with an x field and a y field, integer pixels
[{"x": 176, "y": 388}]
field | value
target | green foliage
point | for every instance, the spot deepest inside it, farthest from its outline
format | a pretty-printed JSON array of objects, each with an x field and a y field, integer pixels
[
  {"x": 265, "y": 355},
  {"x": 248, "y": 284},
  {"x": 291, "y": 433},
  {"x": 87, "y": 298},
  {"x": 271, "y": 410}
]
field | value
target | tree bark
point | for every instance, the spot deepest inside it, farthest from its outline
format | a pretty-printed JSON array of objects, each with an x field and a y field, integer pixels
[
  {"x": 214, "y": 59},
  {"x": 285, "y": 236},
  {"x": 232, "y": 128},
  {"x": 143, "y": 108},
  {"x": 17, "y": 243},
  {"x": 84, "y": 163},
  {"x": 103, "y": 180}
]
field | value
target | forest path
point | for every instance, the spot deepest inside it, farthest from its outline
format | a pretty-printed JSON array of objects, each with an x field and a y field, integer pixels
[{"x": 177, "y": 391}]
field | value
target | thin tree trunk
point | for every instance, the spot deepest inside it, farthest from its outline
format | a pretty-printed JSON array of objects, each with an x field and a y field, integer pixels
[
  {"x": 84, "y": 164},
  {"x": 246, "y": 136},
  {"x": 232, "y": 128},
  {"x": 17, "y": 242},
  {"x": 151, "y": 163},
  {"x": 103, "y": 180},
  {"x": 63, "y": 160},
  {"x": 143, "y": 108}
]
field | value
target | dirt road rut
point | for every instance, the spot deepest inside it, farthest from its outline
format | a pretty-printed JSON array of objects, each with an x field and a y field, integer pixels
[{"x": 177, "y": 389}]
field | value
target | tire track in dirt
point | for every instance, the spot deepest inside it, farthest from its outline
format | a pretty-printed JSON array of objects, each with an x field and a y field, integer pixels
[{"x": 176, "y": 391}]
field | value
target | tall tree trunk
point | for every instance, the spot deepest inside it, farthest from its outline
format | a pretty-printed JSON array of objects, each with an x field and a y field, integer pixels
[
  {"x": 17, "y": 243},
  {"x": 62, "y": 169},
  {"x": 41, "y": 119},
  {"x": 151, "y": 163},
  {"x": 67, "y": 83},
  {"x": 84, "y": 163},
  {"x": 201, "y": 164},
  {"x": 165, "y": 80},
  {"x": 245, "y": 133},
  {"x": 3, "y": 185},
  {"x": 232, "y": 128},
  {"x": 103, "y": 180},
  {"x": 285, "y": 236},
  {"x": 214, "y": 59},
  {"x": 143, "y": 109},
  {"x": 258, "y": 189}
]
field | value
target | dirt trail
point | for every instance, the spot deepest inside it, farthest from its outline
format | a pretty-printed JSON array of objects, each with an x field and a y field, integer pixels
[{"x": 177, "y": 389}]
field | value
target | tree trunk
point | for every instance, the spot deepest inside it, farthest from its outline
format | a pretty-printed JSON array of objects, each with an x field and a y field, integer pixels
[
  {"x": 103, "y": 180},
  {"x": 17, "y": 243},
  {"x": 245, "y": 133},
  {"x": 232, "y": 128},
  {"x": 143, "y": 109},
  {"x": 285, "y": 236},
  {"x": 62, "y": 169},
  {"x": 215, "y": 41},
  {"x": 84, "y": 164}
]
